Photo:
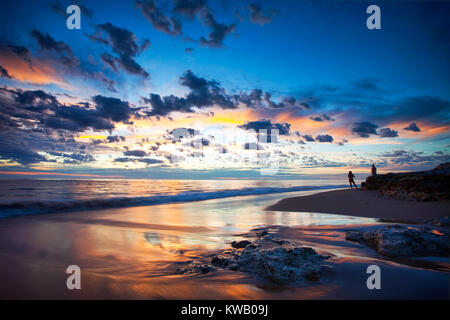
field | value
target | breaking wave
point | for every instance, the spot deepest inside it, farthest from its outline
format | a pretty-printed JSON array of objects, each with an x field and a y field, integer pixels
[{"x": 8, "y": 209}]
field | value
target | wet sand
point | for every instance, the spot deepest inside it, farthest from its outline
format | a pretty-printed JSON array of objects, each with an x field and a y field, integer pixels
[
  {"x": 132, "y": 253},
  {"x": 360, "y": 203}
]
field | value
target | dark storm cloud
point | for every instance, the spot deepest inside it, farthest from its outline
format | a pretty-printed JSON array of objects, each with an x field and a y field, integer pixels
[
  {"x": 18, "y": 152},
  {"x": 4, "y": 73},
  {"x": 364, "y": 129},
  {"x": 135, "y": 153},
  {"x": 251, "y": 100},
  {"x": 324, "y": 138},
  {"x": 46, "y": 42},
  {"x": 165, "y": 105},
  {"x": 218, "y": 32},
  {"x": 203, "y": 93},
  {"x": 321, "y": 118},
  {"x": 308, "y": 138},
  {"x": 412, "y": 127},
  {"x": 283, "y": 128},
  {"x": 189, "y": 8},
  {"x": 113, "y": 139},
  {"x": 387, "y": 133},
  {"x": 122, "y": 42},
  {"x": 257, "y": 16},
  {"x": 23, "y": 108},
  {"x": 157, "y": 18},
  {"x": 112, "y": 108}
]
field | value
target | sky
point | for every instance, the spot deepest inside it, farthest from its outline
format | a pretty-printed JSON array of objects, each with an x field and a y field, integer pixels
[{"x": 222, "y": 89}]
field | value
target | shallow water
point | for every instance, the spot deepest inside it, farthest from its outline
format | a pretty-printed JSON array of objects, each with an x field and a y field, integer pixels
[{"x": 133, "y": 253}]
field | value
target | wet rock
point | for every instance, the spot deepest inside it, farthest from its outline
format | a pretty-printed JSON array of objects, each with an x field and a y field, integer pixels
[
  {"x": 282, "y": 264},
  {"x": 221, "y": 261},
  {"x": 404, "y": 240},
  {"x": 431, "y": 185},
  {"x": 240, "y": 244},
  {"x": 262, "y": 233},
  {"x": 195, "y": 268}
]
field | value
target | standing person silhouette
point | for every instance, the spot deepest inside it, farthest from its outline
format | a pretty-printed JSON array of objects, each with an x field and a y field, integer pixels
[
  {"x": 374, "y": 170},
  {"x": 351, "y": 180}
]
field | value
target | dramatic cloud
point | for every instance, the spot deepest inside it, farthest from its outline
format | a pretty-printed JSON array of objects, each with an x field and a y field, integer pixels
[
  {"x": 308, "y": 138},
  {"x": 387, "y": 133},
  {"x": 364, "y": 129},
  {"x": 113, "y": 139},
  {"x": 412, "y": 127},
  {"x": 218, "y": 32},
  {"x": 73, "y": 157},
  {"x": 135, "y": 153},
  {"x": 24, "y": 108},
  {"x": 124, "y": 44},
  {"x": 321, "y": 118},
  {"x": 189, "y": 8},
  {"x": 48, "y": 43},
  {"x": 159, "y": 21},
  {"x": 256, "y": 15},
  {"x": 4, "y": 73},
  {"x": 18, "y": 152},
  {"x": 112, "y": 108},
  {"x": 283, "y": 128},
  {"x": 324, "y": 138},
  {"x": 203, "y": 93},
  {"x": 65, "y": 54}
]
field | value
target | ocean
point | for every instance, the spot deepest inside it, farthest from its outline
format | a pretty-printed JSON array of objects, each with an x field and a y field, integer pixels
[{"x": 27, "y": 197}]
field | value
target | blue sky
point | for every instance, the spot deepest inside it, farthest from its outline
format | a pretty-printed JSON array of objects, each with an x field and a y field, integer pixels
[{"x": 356, "y": 88}]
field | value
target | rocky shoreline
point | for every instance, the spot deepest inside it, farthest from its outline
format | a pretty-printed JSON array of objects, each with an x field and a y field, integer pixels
[{"x": 431, "y": 185}]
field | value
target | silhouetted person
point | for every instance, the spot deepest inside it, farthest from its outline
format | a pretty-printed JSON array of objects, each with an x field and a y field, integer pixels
[
  {"x": 374, "y": 170},
  {"x": 351, "y": 179}
]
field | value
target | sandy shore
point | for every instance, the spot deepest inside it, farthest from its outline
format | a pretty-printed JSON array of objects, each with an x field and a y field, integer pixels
[
  {"x": 360, "y": 203},
  {"x": 133, "y": 253}
]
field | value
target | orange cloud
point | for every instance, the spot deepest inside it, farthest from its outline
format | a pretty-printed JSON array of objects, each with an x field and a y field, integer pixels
[{"x": 40, "y": 73}]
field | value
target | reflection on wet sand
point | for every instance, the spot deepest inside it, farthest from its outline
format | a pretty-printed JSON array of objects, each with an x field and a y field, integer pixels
[{"x": 132, "y": 253}]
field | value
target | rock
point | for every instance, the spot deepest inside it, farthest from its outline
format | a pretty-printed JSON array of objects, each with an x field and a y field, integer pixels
[
  {"x": 262, "y": 234},
  {"x": 220, "y": 261},
  {"x": 404, "y": 241},
  {"x": 240, "y": 244},
  {"x": 282, "y": 264},
  {"x": 431, "y": 185},
  {"x": 195, "y": 268}
]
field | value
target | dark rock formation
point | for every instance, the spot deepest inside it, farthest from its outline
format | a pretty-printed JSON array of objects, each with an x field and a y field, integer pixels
[
  {"x": 270, "y": 258},
  {"x": 273, "y": 259},
  {"x": 240, "y": 244},
  {"x": 405, "y": 240},
  {"x": 431, "y": 185}
]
